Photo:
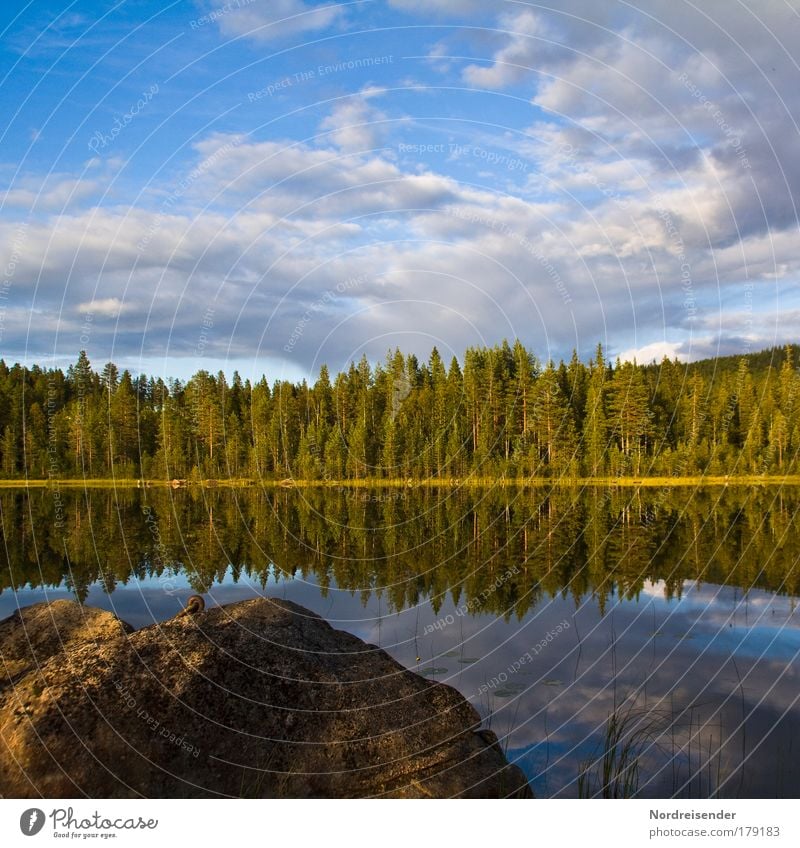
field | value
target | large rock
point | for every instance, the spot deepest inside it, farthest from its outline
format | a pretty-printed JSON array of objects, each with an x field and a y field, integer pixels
[{"x": 257, "y": 699}]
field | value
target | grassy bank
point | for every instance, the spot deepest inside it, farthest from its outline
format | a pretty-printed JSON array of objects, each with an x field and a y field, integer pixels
[{"x": 400, "y": 483}]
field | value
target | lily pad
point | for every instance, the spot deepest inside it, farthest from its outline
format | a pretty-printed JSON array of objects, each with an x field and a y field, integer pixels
[
  {"x": 505, "y": 693},
  {"x": 513, "y": 688},
  {"x": 468, "y": 660},
  {"x": 451, "y": 654},
  {"x": 552, "y": 683},
  {"x": 426, "y": 672}
]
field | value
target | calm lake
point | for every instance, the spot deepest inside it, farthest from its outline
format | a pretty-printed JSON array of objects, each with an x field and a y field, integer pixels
[{"x": 664, "y": 621}]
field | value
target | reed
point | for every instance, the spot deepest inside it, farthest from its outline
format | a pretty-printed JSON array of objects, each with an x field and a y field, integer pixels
[{"x": 614, "y": 771}]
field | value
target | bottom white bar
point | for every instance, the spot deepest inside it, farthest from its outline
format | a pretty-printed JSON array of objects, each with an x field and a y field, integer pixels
[{"x": 352, "y": 824}]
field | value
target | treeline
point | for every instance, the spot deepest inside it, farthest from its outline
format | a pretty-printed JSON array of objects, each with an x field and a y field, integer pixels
[
  {"x": 500, "y": 553},
  {"x": 500, "y": 413}
]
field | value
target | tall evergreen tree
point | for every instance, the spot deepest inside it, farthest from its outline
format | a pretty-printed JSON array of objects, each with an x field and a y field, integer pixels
[
  {"x": 595, "y": 425},
  {"x": 629, "y": 413},
  {"x": 553, "y": 428}
]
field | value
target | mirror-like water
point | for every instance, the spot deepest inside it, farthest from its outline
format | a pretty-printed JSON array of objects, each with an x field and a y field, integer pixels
[{"x": 618, "y": 642}]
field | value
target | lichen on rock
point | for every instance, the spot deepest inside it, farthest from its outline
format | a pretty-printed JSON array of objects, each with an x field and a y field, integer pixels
[{"x": 260, "y": 698}]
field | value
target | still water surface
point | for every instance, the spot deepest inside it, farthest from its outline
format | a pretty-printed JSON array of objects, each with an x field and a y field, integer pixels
[{"x": 664, "y": 619}]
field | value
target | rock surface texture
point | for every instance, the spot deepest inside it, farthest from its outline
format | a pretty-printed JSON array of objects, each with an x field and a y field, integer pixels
[{"x": 257, "y": 699}]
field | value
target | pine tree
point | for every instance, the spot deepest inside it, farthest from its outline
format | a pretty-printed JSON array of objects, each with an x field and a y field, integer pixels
[
  {"x": 629, "y": 412},
  {"x": 754, "y": 441},
  {"x": 172, "y": 441},
  {"x": 260, "y": 418},
  {"x": 553, "y": 427},
  {"x": 437, "y": 414},
  {"x": 8, "y": 448},
  {"x": 123, "y": 435},
  {"x": 595, "y": 426},
  {"x": 779, "y": 437},
  {"x": 203, "y": 396},
  {"x": 576, "y": 389},
  {"x": 457, "y": 437},
  {"x": 109, "y": 378},
  {"x": 356, "y": 465}
]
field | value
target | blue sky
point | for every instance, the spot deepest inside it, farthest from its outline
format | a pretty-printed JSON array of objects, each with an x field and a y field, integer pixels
[{"x": 271, "y": 184}]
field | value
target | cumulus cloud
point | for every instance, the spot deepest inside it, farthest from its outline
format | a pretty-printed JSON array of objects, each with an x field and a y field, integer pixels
[
  {"x": 271, "y": 20},
  {"x": 108, "y": 307},
  {"x": 442, "y": 7},
  {"x": 360, "y": 255},
  {"x": 355, "y": 124},
  {"x": 654, "y": 352},
  {"x": 517, "y": 58},
  {"x": 665, "y": 86},
  {"x": 54, "y": 192},
  {"x": 656, "y": 212}
]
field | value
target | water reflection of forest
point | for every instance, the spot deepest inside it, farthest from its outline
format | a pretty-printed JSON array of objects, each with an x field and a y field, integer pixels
[{"x": 408, "y": 545}]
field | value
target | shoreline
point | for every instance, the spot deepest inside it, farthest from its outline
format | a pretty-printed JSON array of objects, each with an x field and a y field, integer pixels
[{"x": 410, "y": 483}]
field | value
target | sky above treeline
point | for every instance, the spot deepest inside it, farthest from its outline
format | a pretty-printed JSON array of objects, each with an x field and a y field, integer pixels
[{"x": 266, "y": 185}]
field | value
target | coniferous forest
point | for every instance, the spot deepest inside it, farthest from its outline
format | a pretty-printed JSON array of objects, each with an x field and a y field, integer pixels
[{"x": 499, "y": 412}]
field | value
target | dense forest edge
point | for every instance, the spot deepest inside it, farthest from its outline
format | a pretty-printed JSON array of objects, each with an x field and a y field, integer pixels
[{"x": 499, "y": 415}]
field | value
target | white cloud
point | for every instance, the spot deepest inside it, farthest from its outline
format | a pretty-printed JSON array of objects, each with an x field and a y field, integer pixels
[
  {"x": 267, "y": 228},
  {"x": 55, "y": 192},
  {"x": 655, "y": 351},
  {"x": 667, "y": 86},
  {"x": 270, "y": 20},
  {"x": 355, "y": 124},
  {"x": 106, "y": 307},
  {"x": 442, "y": 7},
  {"x": 516, "y": 59},
  {"x": 640, "y": 213}
]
